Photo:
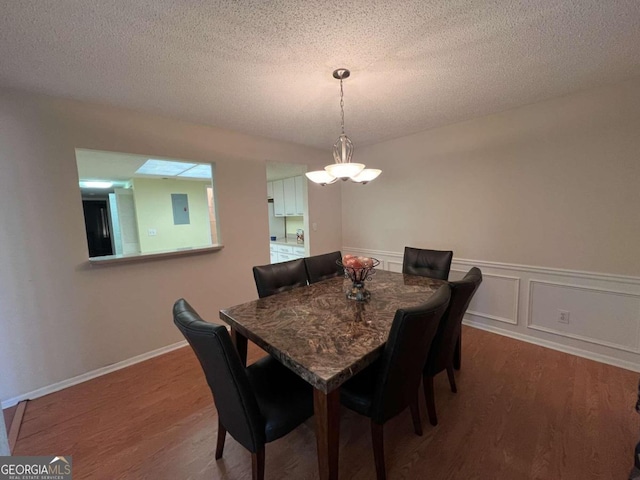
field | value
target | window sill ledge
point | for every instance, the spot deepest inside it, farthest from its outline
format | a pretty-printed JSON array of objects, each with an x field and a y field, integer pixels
[{"x": 143, "y": 257}]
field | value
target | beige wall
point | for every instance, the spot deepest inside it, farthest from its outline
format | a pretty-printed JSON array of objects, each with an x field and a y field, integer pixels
[
  {"x": 155, "y": 211},
  {"x": 62, "y": 317},
  {"x": 555, "y": 184}
]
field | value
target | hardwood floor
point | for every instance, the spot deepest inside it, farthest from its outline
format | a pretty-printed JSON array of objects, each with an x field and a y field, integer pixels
[{"x": 521, "y": 412}]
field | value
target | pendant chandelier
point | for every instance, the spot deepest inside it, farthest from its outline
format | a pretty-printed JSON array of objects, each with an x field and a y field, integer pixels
[{"x": 342, "y": 152}]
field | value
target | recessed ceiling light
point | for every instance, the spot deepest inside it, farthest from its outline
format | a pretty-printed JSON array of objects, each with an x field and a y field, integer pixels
[
  {"x": 95, "y": 184},
  {"x": 164, "y": 168},
  {"x": 199, "y": 171}
]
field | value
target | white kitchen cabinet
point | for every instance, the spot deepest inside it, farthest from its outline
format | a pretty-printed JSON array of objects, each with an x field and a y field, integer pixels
[
  {"x": 269, "y": 190},
  {"x": 289, "y": 197},
  {"x": 284, "y": 253},
  {"x": 285, "y": 257},
  {"x": 299, "y": 200},
  {"x": 273, "y": 250},
  {"x": 278, "y": 198}
]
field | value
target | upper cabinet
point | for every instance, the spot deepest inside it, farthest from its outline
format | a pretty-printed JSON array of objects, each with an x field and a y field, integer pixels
[
  {"x": 288, "y": 197},
  {"x": 269, "y": 190},
  {"x": 278, "y": 198},
  {"x": 299, "y": 183}
]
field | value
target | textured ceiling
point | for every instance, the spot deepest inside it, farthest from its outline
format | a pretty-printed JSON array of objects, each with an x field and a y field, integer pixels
[{"x": 264, "y": 67}]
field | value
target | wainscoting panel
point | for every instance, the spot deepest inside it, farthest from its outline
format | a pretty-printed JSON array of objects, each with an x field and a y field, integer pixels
[
  {"x": 592, "y": 312},
  {"x": 394, "y": 265},
  {"x": 523, "y": 301},
  {"x": 496, "y": 299}
]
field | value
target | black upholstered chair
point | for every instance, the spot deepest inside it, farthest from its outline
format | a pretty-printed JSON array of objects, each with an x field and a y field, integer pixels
[
  {"x": 427, "y": 263},
  {"x": 257, "y": 404},
  {"x": 433, "y": 264},
  {"x": 322, "y": 267},
  {"x": 388, "y": 386},
  {"x": 279, "y": 277},
  {"x": 443, "y": 348}
]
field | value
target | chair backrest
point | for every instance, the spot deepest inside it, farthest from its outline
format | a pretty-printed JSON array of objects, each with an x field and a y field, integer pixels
[
  {"x": 279, "y": 277},
  {"x": 427, "y": 263},
  {"x": 232, "y": 393},
  {"x": 444, "y": 344},
  {"x": 322, "y": 267},
  {"x": 403, "y": 360}
]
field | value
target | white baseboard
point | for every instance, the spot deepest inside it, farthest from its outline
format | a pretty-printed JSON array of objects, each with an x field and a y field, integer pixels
[
  {"x": 40, "y": 392},
  {"x": 616, "y": 362}
]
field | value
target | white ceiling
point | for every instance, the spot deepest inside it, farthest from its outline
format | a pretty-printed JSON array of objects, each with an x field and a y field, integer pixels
[{"x": 265, "y": 67}]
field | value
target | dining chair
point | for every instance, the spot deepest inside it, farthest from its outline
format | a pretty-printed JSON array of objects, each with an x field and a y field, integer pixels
[
  {"x": 442, "y": 351},
  {"x": 257, "y": 404},
  {"x": 427, "y": 263},
  {"x": 279, "y": 277},
  {"x": 433, "y": 264},
  {"x": 385, "y": 388},
  {"x": 323, "y": 267}
]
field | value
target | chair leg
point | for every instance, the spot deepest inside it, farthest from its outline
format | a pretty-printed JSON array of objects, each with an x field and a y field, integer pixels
[
  {"x": 415, "y": 415},
  {"x": 429, "y": 397},
  {"x": 452, "y": 379},
  {"x": 257, "y": 465},
  {"x": 377, "y": 437},
  {"x": 457, "y": 355},
  {"x": 222, "y": 433}
]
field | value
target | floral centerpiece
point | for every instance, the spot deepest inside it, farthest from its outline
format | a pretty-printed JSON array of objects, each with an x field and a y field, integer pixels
[{"x": 358, "y": 269}]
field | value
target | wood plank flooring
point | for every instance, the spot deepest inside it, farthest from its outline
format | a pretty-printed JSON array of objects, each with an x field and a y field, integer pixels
[{"x": 521, "y": 412}]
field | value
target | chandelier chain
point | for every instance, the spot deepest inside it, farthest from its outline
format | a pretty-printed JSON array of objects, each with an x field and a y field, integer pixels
[{"x": 342, "y": 105}]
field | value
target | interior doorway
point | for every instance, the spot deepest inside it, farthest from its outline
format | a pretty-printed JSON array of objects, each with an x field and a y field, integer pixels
[
  {"x": 287, "y": 210},
  {"x": 98, "y": 228}
]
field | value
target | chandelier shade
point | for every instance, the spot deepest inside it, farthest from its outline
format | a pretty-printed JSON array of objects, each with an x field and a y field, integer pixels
[
  {"x": 343, "y": 168},
  {"x": 366, "y": 175},
  {"x": 322, "y": 177}
]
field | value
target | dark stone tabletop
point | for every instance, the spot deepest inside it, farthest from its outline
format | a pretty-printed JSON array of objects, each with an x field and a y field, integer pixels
[{"x": 320, "y": 334}]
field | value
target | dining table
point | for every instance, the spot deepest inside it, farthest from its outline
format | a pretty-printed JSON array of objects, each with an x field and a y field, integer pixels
[{"x": 326, "y": 338}]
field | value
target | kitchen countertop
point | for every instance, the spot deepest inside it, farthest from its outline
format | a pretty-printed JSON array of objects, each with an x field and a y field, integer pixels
[{"x": 287, "y": 241}]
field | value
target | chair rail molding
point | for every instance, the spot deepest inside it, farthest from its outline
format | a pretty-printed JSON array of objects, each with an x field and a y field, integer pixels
[{"x": 604, "y": 309}]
